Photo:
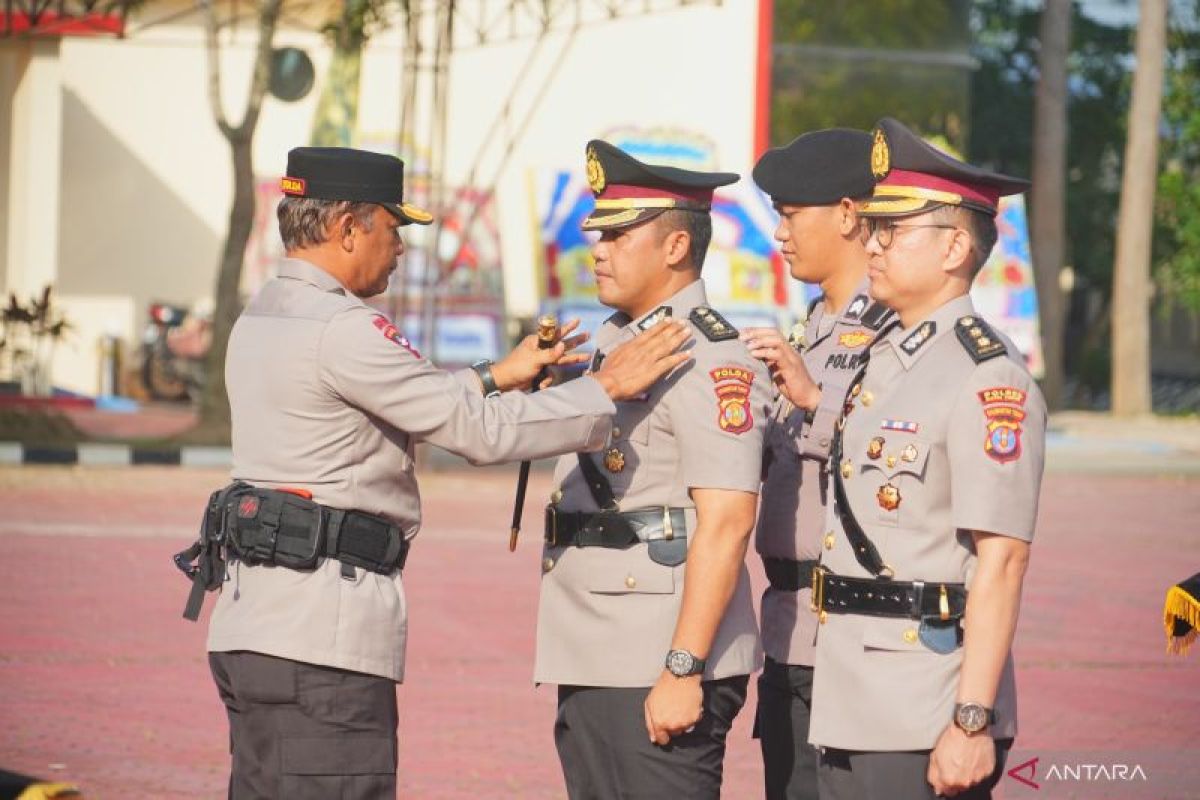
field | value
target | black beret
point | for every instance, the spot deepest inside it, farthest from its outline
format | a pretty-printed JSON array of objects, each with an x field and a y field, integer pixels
[
  {"x": 629, "y": 191},
  {"x": 913, "y": 176},
  {"x": 818, "y": 168},
  {"x": 342, "y": 173}
]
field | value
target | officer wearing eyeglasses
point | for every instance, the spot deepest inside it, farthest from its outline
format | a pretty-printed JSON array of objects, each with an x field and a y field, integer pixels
[{"x": 936, "y": 475}]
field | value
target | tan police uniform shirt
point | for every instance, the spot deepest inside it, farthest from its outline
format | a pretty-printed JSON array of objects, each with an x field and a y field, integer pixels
[
  {"x": 958, "y": 447},
  {"x": 791, "y": 517},
  {"x": 606, "y": 616},
  {"x": 326, "y": 395}
]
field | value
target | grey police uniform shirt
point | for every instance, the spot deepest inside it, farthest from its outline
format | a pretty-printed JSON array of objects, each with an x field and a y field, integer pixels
[
  {"x": 606, "y": 616},
  {"x": 795, "y": 489},
  {"x": 935, "y": 446},
  {"x": 328, "y": 396}
]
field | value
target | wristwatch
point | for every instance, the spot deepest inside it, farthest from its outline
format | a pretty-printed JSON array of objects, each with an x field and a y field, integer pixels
[
  {"x": 681, "y": 663},
  {"x": 973, "y": 717},
  {"x": 483, "y": 368}
]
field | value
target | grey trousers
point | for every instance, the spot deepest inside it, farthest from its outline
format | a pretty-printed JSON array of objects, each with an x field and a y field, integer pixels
[
  {"x": 600, "y": 734},
  {"x": 301, "y": 731},
  {"x": 855, "y": 775},
  {"x": 781, "y": 725}
]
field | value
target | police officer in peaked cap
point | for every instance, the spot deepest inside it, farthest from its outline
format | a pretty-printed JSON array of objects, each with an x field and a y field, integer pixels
[
  {"x": 328, "y": 401},
  {"x": 935, "y": 480},
  {"x": 645, "y": 619}
]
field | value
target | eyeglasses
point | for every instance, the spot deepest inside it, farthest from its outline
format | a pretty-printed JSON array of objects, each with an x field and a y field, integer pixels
[{"x": 884, "y": 230}]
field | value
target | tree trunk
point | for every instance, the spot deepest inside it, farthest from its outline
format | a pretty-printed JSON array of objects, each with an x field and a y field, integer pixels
[
  {"x": 1048, "y": 200},
  {"x": 214, "y": 405},
  {"x": 1131, "y": 270}
]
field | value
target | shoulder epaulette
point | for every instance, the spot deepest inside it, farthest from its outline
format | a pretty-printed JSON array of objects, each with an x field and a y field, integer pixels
[
  {"x": 875, "y": 316},
  {"x": 813, "y": 304},
  {"x": 715, "y": 327},
  {"x": 980, "y": 341}
]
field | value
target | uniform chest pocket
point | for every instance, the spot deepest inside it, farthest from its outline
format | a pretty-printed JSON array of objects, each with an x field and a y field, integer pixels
[
  {"x": 898, "y": 464},
  {"x": 629, "y": 571},
  {"x": 632, "y": 422}
]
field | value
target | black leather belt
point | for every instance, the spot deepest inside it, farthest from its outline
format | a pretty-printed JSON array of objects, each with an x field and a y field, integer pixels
[
  {"x": 613, "y": 528},
  {"x": 838, "y": 594},
  {"x": 789, "y": 575}
]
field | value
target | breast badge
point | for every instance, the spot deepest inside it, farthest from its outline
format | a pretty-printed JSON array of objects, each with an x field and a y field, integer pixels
[
  {"x": 888, "y": 496},
  {"x": 875, "y": 448},
  {"x": 614, "y": 460},
  {"x": 733, "y": 398}
]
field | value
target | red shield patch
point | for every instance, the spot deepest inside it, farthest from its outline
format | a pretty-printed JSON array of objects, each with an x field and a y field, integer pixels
[
  {"x": 390, "y": 331},
  {"x": 733, "y": 398}
]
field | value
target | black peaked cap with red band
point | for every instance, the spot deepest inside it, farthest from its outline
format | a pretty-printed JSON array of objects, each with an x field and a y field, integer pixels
[
  {"x": 343, "y": 173},
  {"x": 818, "y": 168},
  {"x": 629, "y": 191},
  {"x": 912, "y": 176}
]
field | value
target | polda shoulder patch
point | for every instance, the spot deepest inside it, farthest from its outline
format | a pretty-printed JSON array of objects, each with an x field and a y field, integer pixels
[{"x": 714, "y": 327}]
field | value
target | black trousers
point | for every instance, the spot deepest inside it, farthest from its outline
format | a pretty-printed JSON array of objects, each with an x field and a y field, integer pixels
[
  {"x": 781, "y": 725},
  {"x": 301, "y": 731},
  {"x": 600, "y": 734},
  {"x": 855, "y": 775}
]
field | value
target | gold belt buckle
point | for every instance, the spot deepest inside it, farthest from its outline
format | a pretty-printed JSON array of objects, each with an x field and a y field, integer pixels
[
  {"x": 943, "y": 603},
  {"x": 817, "y": 604},
  {"x": 551, "y": 535}
]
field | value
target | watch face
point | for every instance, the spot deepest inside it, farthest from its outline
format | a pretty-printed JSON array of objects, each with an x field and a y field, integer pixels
[
  {"x": 680, "y": 662},
  {"x": 972, "y": 717}
]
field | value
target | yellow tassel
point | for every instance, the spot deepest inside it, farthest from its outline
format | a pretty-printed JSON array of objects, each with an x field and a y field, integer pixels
[{"x": 1181, "y": 605}]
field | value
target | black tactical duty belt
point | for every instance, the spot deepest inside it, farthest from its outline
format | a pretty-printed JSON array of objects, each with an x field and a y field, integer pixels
[
  {"x": 837, "y": 594},
  {"x": 613, "y": 528},
  {"x": 789, "y": 575}
]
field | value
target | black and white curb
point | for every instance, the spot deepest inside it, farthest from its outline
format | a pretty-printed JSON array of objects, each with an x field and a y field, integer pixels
[{"x": 114, "y": 455}]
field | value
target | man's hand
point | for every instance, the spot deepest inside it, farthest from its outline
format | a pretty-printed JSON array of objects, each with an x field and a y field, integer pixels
[
  {"x": 959, "y": 761},
  {"x": 673, "y": 706},
  {"x": 786, "y": 366},
  {"x": 633, "y": 367},
  {"x": 518, "y": 369}
]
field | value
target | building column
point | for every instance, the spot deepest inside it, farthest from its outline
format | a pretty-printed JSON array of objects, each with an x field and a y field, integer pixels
[{"x": 31, "y": 77}]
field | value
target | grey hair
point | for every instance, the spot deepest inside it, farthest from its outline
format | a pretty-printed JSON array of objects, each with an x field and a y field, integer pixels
[
  {"x": 305, "y": 221},
  {"x": 697, "y": 225}
]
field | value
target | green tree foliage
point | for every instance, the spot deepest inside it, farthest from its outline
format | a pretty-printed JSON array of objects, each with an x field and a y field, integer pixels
[
  {"x": 1002, "y": 119},
  {"x": 848, "y": 64},
  {"x": 1177, "y": 235}
]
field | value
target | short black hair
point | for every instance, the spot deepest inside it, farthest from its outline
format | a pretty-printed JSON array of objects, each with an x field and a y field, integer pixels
[
  {"x": 980, "y": 226},
  {"x": 696, "y": 224}
]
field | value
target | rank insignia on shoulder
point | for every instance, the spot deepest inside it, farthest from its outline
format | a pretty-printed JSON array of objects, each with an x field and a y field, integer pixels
[
  {"x": 979, "y": 339},
  {"x": 917, "y": 339},
  {"x": 856, "y": 308},
  {"x": 714, "y": 327},
  {"x": 654, "y": 317},
  {"x": 875, "y": 316}
]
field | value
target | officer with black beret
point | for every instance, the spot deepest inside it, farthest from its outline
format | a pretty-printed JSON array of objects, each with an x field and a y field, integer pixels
[
  {"x": 328, "y": 400},
  {"x": 816, "y": 183}
]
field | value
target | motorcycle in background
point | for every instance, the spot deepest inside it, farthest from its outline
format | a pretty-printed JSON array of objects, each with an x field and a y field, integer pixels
[{"x": 174, "y": 346}]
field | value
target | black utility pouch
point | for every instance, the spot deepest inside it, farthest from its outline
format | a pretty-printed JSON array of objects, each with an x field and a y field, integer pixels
[
  {"x": 370, "y": 543},
  {"x": 274, "y": 527}
]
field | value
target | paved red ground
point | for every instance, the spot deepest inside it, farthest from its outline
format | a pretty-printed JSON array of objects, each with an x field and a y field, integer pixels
[{"x": 102, "y": 683}]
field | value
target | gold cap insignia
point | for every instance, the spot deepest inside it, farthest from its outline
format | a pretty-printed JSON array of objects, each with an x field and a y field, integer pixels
[
  {"x": 595, "y": 172},
  {"x": 881, "y": 158}
]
